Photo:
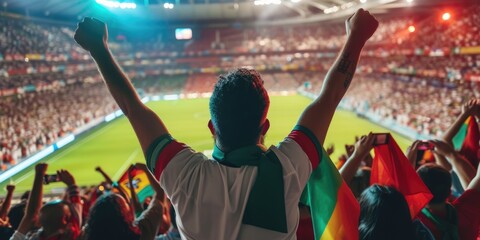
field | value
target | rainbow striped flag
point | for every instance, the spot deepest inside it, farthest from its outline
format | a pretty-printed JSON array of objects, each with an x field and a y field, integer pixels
[
  {"x": 462, "y": 133},
  {"x": 467, "y": 140},
  {"x": 334, "y": 210},
  {"x": 140, "y": 183}
]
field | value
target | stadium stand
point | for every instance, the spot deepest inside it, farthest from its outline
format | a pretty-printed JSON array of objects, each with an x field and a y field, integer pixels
[
  {"x": 49, "y": 65},
  {"x": 426, "y": 81},
  {"x": 34, "y": 120}
]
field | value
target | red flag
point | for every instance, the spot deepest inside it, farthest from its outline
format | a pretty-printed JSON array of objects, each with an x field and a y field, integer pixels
[
  {"x": 470, "y": 146},
  {"x": 390, "y": 167}
]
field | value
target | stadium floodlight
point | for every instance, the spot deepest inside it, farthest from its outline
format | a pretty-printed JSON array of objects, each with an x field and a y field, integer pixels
[
  {"x": 363, "y": 1},
  {"x": 347, "y": 5},
  {"x": 331, "y": 10},
  {"x": 267, "y": 2},
  {"x": 446, "y": 16},
  {"x": 116, "y": 4},
  {"x": 295, "y": 1},
  {"x": 409, "y": 1},
  {"x": 168, "y": 5},
  {"x": 411, "y": 28}
]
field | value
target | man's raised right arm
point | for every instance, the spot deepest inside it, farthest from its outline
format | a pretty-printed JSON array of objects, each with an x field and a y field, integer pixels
[
  {"x": 313, "y": 124},
  {"x": 318, "y": 115}
]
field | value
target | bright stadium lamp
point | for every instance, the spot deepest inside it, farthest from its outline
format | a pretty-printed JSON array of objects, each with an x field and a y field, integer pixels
[
  {"x": 267, "y": 2},
  {"x": 446, "y": 16},
  {"x": 411, "y": 28},
  {"x": 168, "y": 5},
  {"x": 331, "y": 10},
  {"x": 116, "y": 4}
]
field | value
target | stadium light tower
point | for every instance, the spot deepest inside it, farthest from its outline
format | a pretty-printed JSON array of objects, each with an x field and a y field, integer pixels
[
  {"x": 446, "y": 16},
  {"x": 411, "y": 28}
]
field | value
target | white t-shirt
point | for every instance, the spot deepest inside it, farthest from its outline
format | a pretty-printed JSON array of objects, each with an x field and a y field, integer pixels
[{"x": 210, "y": 198}]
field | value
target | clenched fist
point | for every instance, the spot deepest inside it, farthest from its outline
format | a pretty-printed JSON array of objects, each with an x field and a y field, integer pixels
[
  {"x": 471, "y": 107},
  {"x": 10, "y": 188},
  {"x": 361, "y": 25},
  {"x": 41, "y": 168},
  {"x": 91, "y": 34}
]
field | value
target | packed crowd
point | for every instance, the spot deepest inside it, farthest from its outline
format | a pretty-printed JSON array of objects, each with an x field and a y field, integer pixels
[
  {"x": 33, "y": 121},
  {"x": 19, "y": 36},
  {"x": 54, "y": 39},
  {"x": 104, "y": 211},
  {"x": 410, "y": 102}
]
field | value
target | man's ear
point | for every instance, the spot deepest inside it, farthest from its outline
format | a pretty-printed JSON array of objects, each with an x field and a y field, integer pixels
[
  {"x": 210, "y": 126},
  {"x": 265, "y": 127}
]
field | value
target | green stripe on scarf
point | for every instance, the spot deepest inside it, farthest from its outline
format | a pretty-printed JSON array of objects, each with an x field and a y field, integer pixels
[{"x": 449, "y": 227}]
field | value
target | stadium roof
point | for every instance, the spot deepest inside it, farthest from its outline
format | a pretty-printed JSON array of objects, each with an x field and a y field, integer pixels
[{"x": 214, "y": 11}]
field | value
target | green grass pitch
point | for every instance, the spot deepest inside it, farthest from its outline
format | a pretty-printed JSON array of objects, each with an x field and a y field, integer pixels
[{"x": 114, "y": 146}]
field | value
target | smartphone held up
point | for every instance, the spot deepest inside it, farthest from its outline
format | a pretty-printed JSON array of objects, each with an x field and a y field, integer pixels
[
  {"x": 381, "y": 139},
  {"x": 50, "y": 178},
  {"x": 426, "y": 145}
]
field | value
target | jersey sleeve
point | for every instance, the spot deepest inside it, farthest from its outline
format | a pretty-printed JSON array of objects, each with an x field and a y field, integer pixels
[
  {"x": 308, "y": 143},
  {"x": 302, "y": 150},
  {"x": 161, "y": 152}
]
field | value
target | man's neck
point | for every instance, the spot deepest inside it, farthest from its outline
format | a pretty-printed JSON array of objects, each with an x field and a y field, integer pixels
[{"x": 226, "y": 150}]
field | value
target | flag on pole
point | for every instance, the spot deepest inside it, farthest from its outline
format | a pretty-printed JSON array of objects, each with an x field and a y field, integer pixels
[{"x": 140, "y": 183}]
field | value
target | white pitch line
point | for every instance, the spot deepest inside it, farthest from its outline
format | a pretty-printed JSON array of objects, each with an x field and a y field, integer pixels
[
  {"x": 68, "y": 150},
  {"x": 128, "y": 162}
]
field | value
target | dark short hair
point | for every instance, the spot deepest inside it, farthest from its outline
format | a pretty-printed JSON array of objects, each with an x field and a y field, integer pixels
[
  {"x": 108, "y": 219},
  {"x": 360, "y": 181},
  {"x": 238, "y": 107},
  {"x": 16, "y": 214},
  {"x": 384, "y": 214},
  {"x": 25, "y": 195},
  {"x": 438, "y": 180}
]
